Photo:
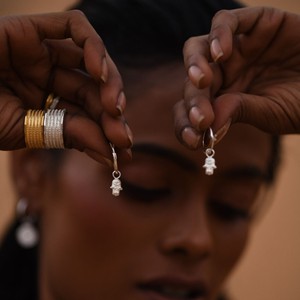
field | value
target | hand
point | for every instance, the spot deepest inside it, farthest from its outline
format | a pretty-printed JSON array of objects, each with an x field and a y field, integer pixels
[
  {"x": 246, "y": 70},
  {"x": 63, "y": 54}
]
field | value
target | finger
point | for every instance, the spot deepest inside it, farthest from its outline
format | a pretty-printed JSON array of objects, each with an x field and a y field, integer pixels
[
  {"x": 66, "y": 54},
  {"x": 112, "y": 95},
  {"x": 79, "y": 89},
  {"x": 184, "y": 130},
  {"x": 198, "y": 107},
  {"x": 73, "y": 85},
  {"x": 271, "y": 115},
  {"x": 11, "y": 121},
  {"x": 74, "y": 24},
  {"x": 117, "y": 131},
  {"x": 83, "y": 134},
  {"x": 196, "y": 53},
  {"x": 259, "y": 24}
]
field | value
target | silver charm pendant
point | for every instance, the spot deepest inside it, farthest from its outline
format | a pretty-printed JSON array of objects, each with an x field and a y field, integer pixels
[
  {"x": 27, "y": 235},
  {"x": 210, "y": 163},
  {"x": 116, "y": 183},
  {"x": 116, "y": 186}
]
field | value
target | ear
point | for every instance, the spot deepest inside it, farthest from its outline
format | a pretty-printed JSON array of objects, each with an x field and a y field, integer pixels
[{"x": 29, "y": 172}]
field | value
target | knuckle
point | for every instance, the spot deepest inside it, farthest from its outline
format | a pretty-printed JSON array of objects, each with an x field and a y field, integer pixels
[
  {"x": 101, "y": 46},
  {"x": 190, "y": 41},
  {"x": 191, "y": 44},
  {"x": 222, "y": 13},
  {"x": 76, "y": 13},
  {"x": 218, "y": 23},
  {"x": 177, "y": 106}
]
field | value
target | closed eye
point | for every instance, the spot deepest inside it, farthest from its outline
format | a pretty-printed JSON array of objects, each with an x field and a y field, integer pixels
[
  {"x": 144, "y": 194},
  {"x": 228, "y": 213}
]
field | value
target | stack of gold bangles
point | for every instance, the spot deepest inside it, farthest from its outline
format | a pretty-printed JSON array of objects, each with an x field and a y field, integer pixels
[{"x": 44, "y": 128}]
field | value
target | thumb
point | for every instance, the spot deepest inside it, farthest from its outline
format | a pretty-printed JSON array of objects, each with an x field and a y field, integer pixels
[{"x": 268, "y": 114}]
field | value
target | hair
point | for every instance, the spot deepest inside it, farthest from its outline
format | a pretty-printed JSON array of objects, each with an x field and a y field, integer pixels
[
  {"x": 137, "y": 33},
  {"x": 18, "y": 269},
  {"x": 144, "y": 32}
]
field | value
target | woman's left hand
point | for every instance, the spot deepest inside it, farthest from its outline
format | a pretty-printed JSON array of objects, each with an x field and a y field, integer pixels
[{"x": 246, "y": 70}]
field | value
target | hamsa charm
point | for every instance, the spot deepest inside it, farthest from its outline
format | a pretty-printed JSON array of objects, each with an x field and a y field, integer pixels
[
  {"x": 116, "y": 185},
  {"x": 208, "y": 142},
  {"x": 209, "y": 165}
]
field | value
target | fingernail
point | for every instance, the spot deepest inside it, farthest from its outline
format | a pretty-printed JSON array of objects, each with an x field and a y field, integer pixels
[
  {"x": 121, "y": 103},
  {"x": 222, "y": 131},
  {"x": 129, "y": 134},
  {"x": 190, "y": 137},
  {"x": 129, "y": 152},
  {"x": 104, "y": 67},
  {"x": 216, "y": 50},
  {"x": 195, "y": 116},
  {"x": 196, "y": 73}
]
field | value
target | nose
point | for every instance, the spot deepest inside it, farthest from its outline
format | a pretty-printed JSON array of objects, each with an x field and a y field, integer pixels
[{"x": 188, "y": 234}]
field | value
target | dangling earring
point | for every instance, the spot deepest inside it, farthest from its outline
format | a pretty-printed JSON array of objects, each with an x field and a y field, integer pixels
[
  {"x": 26, "y": 234},
  {"x": 116, "y": 183},
  {"x": 210, "y": 163}
]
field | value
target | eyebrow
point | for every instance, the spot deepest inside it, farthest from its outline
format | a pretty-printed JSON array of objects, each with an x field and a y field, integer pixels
[
  {"x": 245, "y": 172},
  {"x": 166, "y": 153},
  {"x": 238, "y": 172}
]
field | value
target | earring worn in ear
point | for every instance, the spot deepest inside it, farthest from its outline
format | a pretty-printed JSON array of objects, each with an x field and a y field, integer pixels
[
  {"x": 116, "y": 183},
  {"x": 26, "y": 234},
  {"x": 210, "y": 163}
]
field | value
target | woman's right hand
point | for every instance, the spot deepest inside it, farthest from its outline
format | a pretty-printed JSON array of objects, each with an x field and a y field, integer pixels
[
  {"x": 61, "y": 53},
  {"x": 246, "y": 70}
]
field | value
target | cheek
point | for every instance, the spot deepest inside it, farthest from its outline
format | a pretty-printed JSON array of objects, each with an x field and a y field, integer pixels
[
  {"x": 230, "y": 244},
  {"x": 86, "y": 234},
  {"x": 88, "y": 213}
]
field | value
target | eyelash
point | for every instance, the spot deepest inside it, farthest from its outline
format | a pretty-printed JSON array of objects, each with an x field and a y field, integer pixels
[
  {"x": 227, "y": 212},
  {"x": 224, "y": 212},
  {"x": 143, "y": 194}
]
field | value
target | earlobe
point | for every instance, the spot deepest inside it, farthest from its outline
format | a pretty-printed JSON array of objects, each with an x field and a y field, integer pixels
[{"x": 28, "y": 173}]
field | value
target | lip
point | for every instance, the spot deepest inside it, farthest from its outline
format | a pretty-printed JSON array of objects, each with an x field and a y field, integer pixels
[{"x": 191, "y": 289}]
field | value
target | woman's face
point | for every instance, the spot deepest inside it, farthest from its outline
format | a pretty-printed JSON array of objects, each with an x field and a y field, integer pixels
[{"x": 174, "y": 232}]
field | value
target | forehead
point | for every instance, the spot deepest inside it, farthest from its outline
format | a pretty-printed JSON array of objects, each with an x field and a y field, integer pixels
[{"x": 152, "y": 94}]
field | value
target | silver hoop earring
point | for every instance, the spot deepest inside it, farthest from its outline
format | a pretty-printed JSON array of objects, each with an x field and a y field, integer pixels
[{"x": 27, "y": 235}]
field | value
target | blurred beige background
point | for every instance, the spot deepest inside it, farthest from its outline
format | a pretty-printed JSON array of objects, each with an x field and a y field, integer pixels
[{"x": 270, "y": 268}]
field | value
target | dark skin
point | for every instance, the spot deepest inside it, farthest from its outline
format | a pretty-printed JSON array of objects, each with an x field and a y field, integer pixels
[
  {"x": 246, "y": 70},
  {"x": 172, "y": 233},
  {"x": 48, "y": 53}
]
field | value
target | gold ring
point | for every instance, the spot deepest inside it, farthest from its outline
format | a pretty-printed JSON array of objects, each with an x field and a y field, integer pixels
[
  {"x": 51, "y": 102},
  {"x": 34, "y": 129}
]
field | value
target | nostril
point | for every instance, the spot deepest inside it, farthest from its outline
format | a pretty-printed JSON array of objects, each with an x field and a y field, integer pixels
[
  {"x": 189, "y": 233},
  {"x": 185, "y": 246}
]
